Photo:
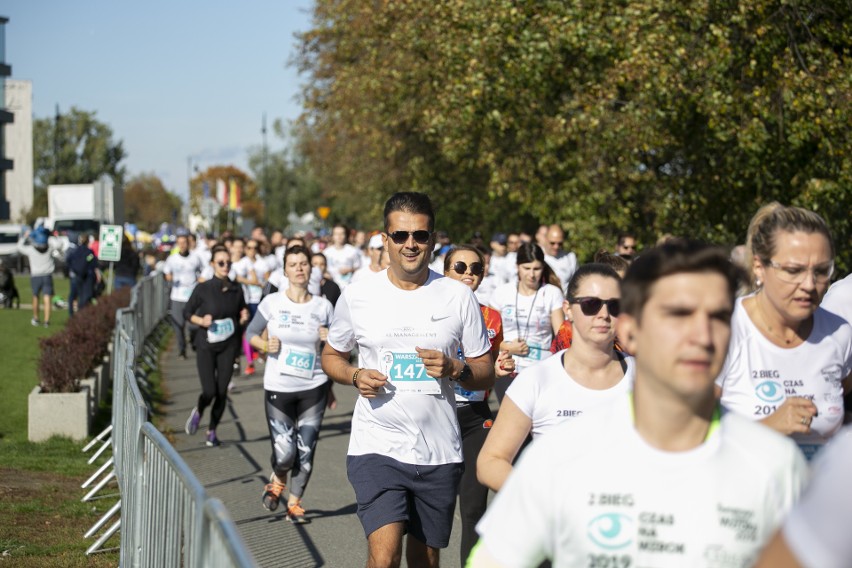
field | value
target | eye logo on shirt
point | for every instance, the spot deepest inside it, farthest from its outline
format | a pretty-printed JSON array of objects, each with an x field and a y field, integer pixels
[
  {"x": 284, "y": 318},
  {"x": 611, "y": 531},
  {"x": 769, "y": 391}
]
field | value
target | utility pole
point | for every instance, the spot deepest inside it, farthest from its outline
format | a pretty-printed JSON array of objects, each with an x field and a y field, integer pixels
[{"x": 264, "y": 187}]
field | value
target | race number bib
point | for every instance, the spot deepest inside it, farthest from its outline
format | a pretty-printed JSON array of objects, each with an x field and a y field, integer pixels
[
  {"x": 183, "y": 293},
  {"x": 255, "y": 294},
  {"x": 220, "y": 330},
  {"x": 535, "y": 353},
  {"x": 297, "y": 363},
  {"x": 463, "y": 394},
  {"x": 406, "y": 373}
]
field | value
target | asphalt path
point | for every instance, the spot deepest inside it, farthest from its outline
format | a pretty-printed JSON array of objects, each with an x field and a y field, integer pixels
[{"x": 236, "y": 472}]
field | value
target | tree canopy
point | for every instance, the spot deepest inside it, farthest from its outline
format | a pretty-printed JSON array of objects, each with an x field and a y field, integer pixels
[
  {"x": 78, "y": 148},
  {"x": 147, "y": 202},
  {"x": 650, "y": 116}
]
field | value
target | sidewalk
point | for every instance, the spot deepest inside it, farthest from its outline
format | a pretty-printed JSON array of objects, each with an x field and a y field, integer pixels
[{"x": 236, "y": 472}]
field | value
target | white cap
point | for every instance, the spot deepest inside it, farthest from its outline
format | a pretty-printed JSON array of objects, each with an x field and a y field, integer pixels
[{"x": 376, "y": 242}]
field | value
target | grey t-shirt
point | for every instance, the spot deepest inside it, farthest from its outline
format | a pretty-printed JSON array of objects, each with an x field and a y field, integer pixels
[{"x": 41, "y": 263}]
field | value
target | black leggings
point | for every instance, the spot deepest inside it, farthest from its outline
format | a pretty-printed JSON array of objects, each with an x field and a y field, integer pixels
[
  {"x": 215, "y": 369},
  {"x": 475, "y": 422},
  {"x": 294, "y": 420}
]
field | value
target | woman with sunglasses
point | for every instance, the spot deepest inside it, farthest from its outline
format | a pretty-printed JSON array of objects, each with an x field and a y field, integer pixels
[
  {"x": 531, "y": 310},
  {"x": 295, "y": 386},
  {"x": 219, "y": 308},
  {"x": 575, "y": 381},
  {"x": 789, "y": 360},
  {"x": 466, "y": 264}
]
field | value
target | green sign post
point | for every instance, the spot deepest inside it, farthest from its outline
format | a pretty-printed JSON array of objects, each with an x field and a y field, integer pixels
[{"x": 109, "y": 249}]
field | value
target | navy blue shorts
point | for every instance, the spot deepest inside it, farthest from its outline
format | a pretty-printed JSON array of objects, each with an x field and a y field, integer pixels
[
  {"x": 423, "y": 497},
  {"x": 41, "y": 285}
]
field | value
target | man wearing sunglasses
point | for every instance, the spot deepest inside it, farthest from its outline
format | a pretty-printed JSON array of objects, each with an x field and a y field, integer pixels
[
  {"x": 409, "y": 324},
  {"x": 662, "y": 477},
  {"x": 563, "y": 263}
]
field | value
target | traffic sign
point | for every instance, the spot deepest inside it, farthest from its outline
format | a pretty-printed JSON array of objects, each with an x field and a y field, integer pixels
[
  {"x": 110, "y": 242},
  {"x": 323, "y": 212}
]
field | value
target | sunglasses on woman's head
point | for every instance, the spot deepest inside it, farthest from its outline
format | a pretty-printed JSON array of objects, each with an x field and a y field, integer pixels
[
  {"x": 590, "y": 305},
  {"x": 476, "y": 268},
  {"x": 401, "y": 237}
]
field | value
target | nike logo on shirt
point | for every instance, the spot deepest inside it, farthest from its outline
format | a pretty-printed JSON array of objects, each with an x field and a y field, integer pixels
[{"x": 434, "y": 318}]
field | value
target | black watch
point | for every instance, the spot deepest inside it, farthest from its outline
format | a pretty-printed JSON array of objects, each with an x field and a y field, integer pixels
[{"x": 465, "y": 374}]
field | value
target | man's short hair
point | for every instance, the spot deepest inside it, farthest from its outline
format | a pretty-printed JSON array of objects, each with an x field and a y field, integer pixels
[
  {"x": 674, "y": 257},
  {"x": 625, "y": 235},
  {"x": 410, "y": 202}
]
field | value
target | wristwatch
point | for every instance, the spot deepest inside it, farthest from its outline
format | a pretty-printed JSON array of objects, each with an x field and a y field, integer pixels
[{"x": 465, "y": 374}]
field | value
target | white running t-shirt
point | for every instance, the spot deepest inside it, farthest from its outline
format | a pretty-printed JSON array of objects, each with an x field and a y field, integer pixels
[
  {"x": 520, "y": 323},
  {"x": 297, "y": 366},
  {"x": 758, "y": 375},
  {"x": 549, "y": 396},
  {"x": 592, "y": 492},
  {"x": 252, "y": 292},
  {"x": 386, "y": 323},
  {"x": 564, "y": 265},
  {"x": 817, "y": 529},
  {"x": 838, "y": 299},
  {"x": 185, "y": 271},
  {"x": 346, "y": 256}
]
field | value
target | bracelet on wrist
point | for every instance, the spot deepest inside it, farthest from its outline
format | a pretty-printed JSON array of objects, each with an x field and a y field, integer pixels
[{"x": 355, "y": 377}]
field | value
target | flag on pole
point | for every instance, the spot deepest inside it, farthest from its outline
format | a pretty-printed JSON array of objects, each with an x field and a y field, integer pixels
[
  {"x": 234, "y": 202},
  {"x": 221, "y": 192}
]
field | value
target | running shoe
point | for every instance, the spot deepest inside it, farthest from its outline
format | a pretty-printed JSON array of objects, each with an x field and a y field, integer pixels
[
  {"x": 182, "y": 355},
  {"x": 192, "y": 421},
  {"x": 249, "y": 370},
  {"x": 272, "y": 493},
  {"x": 34, "y": 322},
  {"x": 296, "y": 515},
  {"x": 47, "y": 324},
  {"x": 212, "y": 440}
]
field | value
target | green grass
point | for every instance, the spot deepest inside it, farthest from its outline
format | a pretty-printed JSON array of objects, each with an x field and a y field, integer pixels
[
  {"x": 41, "y": 514},
  {"x": 19, "y": 351}
]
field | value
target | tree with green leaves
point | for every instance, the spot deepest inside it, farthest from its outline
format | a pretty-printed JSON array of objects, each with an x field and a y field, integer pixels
[
  {"x": 74, "y": 147},
  {"x": 646, "y": 115},
  {"x": 147, "y": 202}
]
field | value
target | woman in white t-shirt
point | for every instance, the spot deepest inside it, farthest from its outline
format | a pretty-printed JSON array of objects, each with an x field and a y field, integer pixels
[
  {"x": 252, "y": 272},
  {"x": 296, "y": 388},
  {"x": 789, "y": 360},
  {"x": 531, "y": 312},
  {"x": 590, "y": 373}
]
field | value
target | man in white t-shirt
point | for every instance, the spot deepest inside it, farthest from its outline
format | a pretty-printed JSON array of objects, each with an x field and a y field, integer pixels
[
  {"x": 342, "y": 258},
  {"x": 409, "y": 325},
  {"x": 375, "y": 248},
  {"x": 183, "y": 270},
  {"x": 816, "y": 532},
  {"x": 563, "y": 263},
  {"x": 663, "y": 477}
]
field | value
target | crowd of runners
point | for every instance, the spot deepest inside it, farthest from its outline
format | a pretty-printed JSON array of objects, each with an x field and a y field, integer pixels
[{"x": 658, "y": 406}]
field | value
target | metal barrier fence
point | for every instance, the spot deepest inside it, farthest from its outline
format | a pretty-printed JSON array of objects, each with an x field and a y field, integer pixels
[{"x": 167, "y": 518}]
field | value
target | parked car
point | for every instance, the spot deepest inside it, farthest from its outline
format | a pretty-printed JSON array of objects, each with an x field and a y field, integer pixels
[{"x": 10, "y": 235}]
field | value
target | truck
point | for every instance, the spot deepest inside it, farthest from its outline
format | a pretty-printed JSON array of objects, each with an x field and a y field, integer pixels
[{"x": 82, "y": 208}]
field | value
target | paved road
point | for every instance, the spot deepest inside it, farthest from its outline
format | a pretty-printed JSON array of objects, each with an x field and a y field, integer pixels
[{"x": 237, "y": 471}]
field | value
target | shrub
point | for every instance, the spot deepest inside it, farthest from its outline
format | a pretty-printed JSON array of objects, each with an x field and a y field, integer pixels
[{"x": 70, "y": 355}]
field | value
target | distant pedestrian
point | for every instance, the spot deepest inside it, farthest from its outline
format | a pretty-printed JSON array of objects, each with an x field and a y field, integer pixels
[
  {"x": 127, "y": 267},
  {"x": 39, "y": 253},
  {"x": 82, "y": 271}
]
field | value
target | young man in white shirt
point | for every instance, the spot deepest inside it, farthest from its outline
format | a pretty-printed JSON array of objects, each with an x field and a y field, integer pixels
[
  {"x": 663, "y": 477},
  {"x": 409, "y": 324},
  {"x": 342, "y": 258},
  {"x": 183, "y": 270}
]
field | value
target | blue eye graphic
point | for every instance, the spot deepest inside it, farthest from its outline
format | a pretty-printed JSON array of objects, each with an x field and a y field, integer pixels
[
  {"x": 769, "y": 391},
  {"x": 611, "y": 531}
]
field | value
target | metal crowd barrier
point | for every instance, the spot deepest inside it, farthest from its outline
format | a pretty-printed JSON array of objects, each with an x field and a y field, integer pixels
[{"x": 167, "y": 518}]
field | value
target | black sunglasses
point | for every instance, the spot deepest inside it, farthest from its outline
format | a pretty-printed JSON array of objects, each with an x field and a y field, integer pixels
[
  {"x": 476, "y": 268},
  {"x": 223, "y": 263},
  {"x": 401, "y": 237},
  {"x": 590, "y": 305}
]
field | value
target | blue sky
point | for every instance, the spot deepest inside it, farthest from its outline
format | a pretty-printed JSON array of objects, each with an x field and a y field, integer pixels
[{"x": 174, "y": 79}]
